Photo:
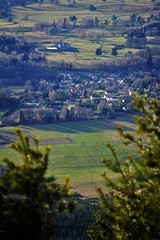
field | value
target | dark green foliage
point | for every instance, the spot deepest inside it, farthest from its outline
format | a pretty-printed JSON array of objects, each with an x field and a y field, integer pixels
[
  {"x": 11, "y": 110},
  {"x": 114, "y": 17},
  {"x": 7, "y": 102},
  {"x": 29, "y": 201},
  {"x": 22, "y": 118},
  {"x": 114, "y": 51},
  {"x": 138, "y": 43},
  {"x": 65, "y": 23},
  {"x": 98, "y": 51},
  {"x": 9, "y": 44},
  {"x": 75, "y": 225},
  {"x": 73, "y": 18},
  {"x": 92, "y": 8},
  {"x": 19, "y": 61},
  {"x": 136, "y": 32},
  {"x": 102, "y": 108},
  {"x": 130, "y": 207},
  {"x": 148, "y": 57}
]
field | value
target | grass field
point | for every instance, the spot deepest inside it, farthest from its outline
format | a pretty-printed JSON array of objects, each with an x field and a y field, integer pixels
[
  {"x": 47, "y": 12},
  {"x": 79, "y": 159}
]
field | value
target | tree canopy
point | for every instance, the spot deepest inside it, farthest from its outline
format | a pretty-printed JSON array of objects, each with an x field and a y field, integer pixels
[{"x": 129, "y": 209}]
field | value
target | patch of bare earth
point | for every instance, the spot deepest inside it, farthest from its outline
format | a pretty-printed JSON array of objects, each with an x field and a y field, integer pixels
[
  {"x": 6, "y": 138},
  {"x": 51, "y": 141},
  {"x": 85, "y": 189}
]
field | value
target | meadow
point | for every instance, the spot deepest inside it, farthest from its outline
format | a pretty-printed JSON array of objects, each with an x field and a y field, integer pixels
[
  {"x": 47, "y": 12},
  {"x": 80, "y": 158}
]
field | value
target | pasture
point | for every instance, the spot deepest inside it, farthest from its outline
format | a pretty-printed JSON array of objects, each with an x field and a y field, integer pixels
[
  {"x": 78, "y": 147},
  {"x": 47, "y": 12}
]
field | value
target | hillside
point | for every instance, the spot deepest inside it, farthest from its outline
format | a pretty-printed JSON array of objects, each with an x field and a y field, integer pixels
[
  {"x": 66, "y": 61},
  {"x": 84, "y": 28}
]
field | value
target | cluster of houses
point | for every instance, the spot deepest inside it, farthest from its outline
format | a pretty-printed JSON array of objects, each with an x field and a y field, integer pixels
[
  {"x": 85, "y": 90},
  {"x": 71, "y": 96},
  {"x": 57, "y": 47}
]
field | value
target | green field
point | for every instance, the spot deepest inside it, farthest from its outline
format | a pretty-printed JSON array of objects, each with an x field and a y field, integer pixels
[
  {"x": 47, "y": 12},
  {"x": 81, "y": 158}
]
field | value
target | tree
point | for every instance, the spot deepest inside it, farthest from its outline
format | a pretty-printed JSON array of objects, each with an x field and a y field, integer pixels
[
  {"x": 64, "y": 114},
  {"x": 22, "y": 118},
  {"x": 73, "y": 19},
  {"x": 130, "y": 207},
  {"x": 114, "y": 19},
  {"x": 98, "y": 51},
  {"x": 135, "y": 42},
  {"x": 102, "y": 108},
  {"x": 65, "y": 23},
  {"x": 52, "y": 96},
  {"x": 88, "y": 22},
  {"x": 96, "y": 21},
  {"x": 148, "y": 57},
  {"x": 62, "y": 96},
  {"x": 29, "y": 200},
  {"x": 92, "y": 8},
  {"x": 114, "y": 51},
  {"x": 133, "y": 19}
]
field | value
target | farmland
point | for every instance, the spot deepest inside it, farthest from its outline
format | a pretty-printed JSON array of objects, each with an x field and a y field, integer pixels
[
  {"x": 79, "y": 158},
  {"x": 106, "y": 36}
]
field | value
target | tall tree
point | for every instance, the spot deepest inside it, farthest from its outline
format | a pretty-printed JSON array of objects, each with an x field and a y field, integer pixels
[
  {"x": 148, "y": 57},
  {"x": 29, "y": 200},
  {"x": 22, "y": 118},
  {"x": 114, "y": 51},
  {"x": 130, "y": 208}
]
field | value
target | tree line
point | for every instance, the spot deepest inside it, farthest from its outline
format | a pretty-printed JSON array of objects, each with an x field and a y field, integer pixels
[{"x": 18, "y": 115}]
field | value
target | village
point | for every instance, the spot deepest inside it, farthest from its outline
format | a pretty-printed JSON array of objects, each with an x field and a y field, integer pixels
[{"x": 70, "y": 96}]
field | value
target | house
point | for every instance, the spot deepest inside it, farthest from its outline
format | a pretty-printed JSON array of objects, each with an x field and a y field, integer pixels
[
  {"x": 64, "y": 46},
  {"x": 52, "y": 48}
]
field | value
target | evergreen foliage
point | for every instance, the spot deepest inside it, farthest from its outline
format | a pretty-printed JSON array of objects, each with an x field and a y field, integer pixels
[
  {"x": 114, "y": 51},
  {"x": 148, "y": 57},
  {"x": 130, "y": 209},
  {"x": 75, "y": 226},
  {"x": 29, "y": 200},
  {"x": 98, "y": 51}
]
